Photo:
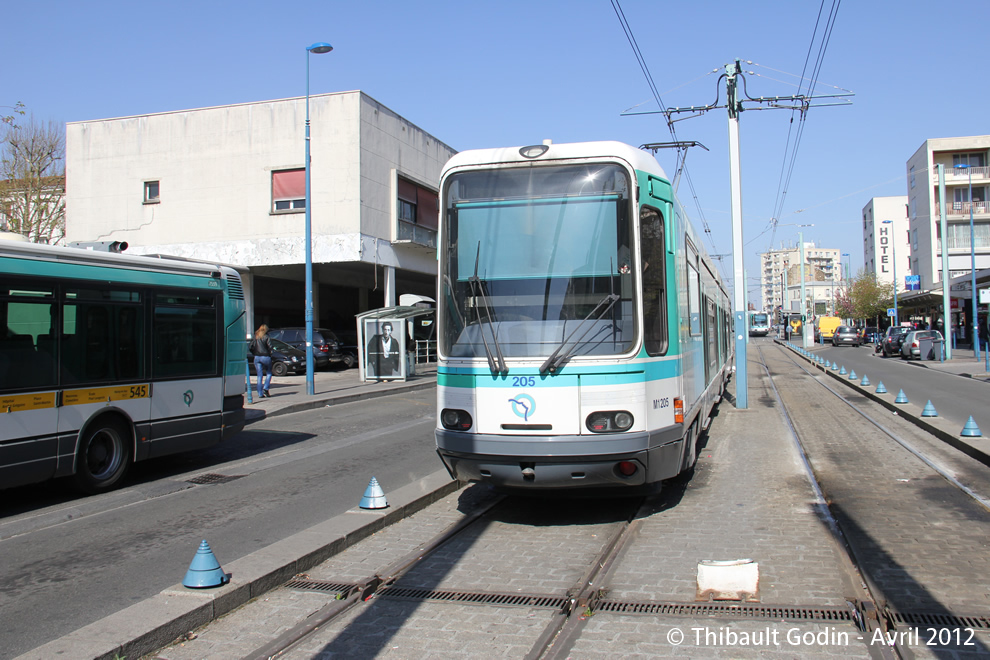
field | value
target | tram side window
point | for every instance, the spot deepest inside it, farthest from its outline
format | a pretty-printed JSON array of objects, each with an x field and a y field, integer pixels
[
  {"x": 694, "y": 292},
  {"x": 102, "y": 336},
  {"x": 185, "y": 338},
  {"x": 27, "y": 360},
  {"x": 654, "y": 292}
]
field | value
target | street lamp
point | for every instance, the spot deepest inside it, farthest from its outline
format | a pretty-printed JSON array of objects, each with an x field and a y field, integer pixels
[
  {"x": 972, "y": 257},
  {"x": 893, "y": 248},
  {"x": 319, "y": 48}
]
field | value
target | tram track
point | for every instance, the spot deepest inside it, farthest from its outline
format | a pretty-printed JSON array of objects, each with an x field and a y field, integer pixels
[{"x": 855, "y": 445}]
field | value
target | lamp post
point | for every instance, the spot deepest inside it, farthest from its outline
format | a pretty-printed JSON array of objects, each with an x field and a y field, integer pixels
[
  {"x": 893, "y": 249},
  {"x": 319, "y": 48},
  {"x": 972, "y": 258}
]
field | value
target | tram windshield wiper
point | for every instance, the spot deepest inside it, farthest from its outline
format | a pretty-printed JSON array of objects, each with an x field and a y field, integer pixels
[
  {"x": 478, "y": 292},
  {"x": 559, "y": 356}
]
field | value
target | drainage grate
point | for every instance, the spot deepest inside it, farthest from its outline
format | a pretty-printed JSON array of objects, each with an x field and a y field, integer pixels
[
  {"x": 940, "y": 620},
  {"x": 316, "y": 585},
  {"x": 735, "y": 610},
  {"x": 517, "y": 600},
  {"x": 212, "y": 478}
]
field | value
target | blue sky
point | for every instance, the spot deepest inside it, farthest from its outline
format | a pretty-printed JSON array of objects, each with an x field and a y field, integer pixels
[{"x": 485, "y": 74}]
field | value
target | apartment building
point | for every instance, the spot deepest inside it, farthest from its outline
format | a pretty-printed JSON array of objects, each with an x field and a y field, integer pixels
[
  {"x": 967, "y": 177},
  {"x": 780, "y": 275}
]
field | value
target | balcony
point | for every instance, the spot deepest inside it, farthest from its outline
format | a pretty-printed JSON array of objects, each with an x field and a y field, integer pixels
[
  {"x": 954, "y": 176},
  {"x": 958, "y": 210}
]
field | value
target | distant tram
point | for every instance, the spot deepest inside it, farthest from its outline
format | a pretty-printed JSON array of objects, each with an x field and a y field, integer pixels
[
  {"x": 584, "y": 334},
  {"x": 759, "y": 324}
]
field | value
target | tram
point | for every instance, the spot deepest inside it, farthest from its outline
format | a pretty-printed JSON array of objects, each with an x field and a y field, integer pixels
[
  {"x": 759, "y": 324},
  {"x": 584, "y": 334}
]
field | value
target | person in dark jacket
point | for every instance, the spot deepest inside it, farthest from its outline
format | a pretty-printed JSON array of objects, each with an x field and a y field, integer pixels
[{"x": 261, "y": 349}]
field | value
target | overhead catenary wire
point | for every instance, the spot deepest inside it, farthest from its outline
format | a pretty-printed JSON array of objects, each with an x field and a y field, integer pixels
[{"x": 680, "y": 164}]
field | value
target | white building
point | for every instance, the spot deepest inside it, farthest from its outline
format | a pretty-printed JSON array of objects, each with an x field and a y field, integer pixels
[
  {"x": 885, "y": 239},
  {"x": 924, "y": 208},
  {"x": 782, "y": 268},
  {"x": 227, "y": 184}
]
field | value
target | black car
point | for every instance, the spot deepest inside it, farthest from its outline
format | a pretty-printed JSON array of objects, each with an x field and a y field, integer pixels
[
  {"x": 846, "y": 334},
  {"x": 890, "y": 343},
  {"x": 871, "y": 334},
  {"x": 286, "y": 359},
  {"x": 326, "y": 348}
]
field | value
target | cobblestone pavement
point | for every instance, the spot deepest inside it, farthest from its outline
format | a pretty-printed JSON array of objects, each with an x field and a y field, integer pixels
[
  {"x": 749, "y": 498},
  {"x": 921, "y": 539}
]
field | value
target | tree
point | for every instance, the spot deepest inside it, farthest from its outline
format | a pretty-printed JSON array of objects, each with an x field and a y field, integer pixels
[
  {"x": 866, "y": 298},
  {"x": 32, "y": 180}
]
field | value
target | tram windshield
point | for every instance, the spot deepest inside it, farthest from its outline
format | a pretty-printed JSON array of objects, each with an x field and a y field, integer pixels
[{"x": 529, "y": 255}]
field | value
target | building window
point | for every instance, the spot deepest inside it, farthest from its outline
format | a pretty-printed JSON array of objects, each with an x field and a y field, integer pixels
[
  {"x": 288, "y": 191},
  {"x": 151, "y": 192},
  {"x": 417, "y": 211},
  {"x": 912, "y": 176}
]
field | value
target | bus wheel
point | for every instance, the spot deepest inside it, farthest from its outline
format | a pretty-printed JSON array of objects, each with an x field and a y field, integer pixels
[
  {"x": 691, "y": 446},
  {"x": 104, "y": 456}
]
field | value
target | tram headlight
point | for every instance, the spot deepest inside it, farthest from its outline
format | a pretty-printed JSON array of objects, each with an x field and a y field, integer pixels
[
  {"x": 609, "y": 421},
  {"x": 455, "y": 420}
]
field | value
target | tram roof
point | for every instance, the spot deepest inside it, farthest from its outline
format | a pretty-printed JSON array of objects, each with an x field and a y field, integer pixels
[{"x": 637, "y": 158}]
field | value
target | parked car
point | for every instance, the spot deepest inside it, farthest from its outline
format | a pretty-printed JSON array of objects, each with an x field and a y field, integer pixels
[
  {"x": 846, "y": 335},
  {"x": 871, "y": 334},
  {"x": 325, "y": 346},
  {"x": 286, "y": 359},
  {"x": 911, "y": 346},
  {"x": 890, "y": 343}
]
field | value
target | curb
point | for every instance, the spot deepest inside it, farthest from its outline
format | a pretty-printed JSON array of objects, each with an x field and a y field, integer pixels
[
  {"x": 911, "y": 412},
  {"x": 253, "y": 415},
  {"x": 158, "y": 621}
]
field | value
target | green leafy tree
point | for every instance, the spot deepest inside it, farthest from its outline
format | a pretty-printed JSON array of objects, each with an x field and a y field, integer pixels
[{"x": 866, "y": 298}]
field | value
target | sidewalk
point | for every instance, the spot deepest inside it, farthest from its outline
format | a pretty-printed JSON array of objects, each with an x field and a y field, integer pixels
[
  {"x": 288, "y": 393},
  {"x": 963, "y": 363}
]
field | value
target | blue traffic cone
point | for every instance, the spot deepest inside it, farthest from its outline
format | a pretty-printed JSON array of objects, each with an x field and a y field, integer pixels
[
  {"x": 971, "y": 430},
  {"x": 205, "y": 571},
  {"x": 901, "y": 397},
  {"x": 929, "y": 410},
  {"x": 865, "y": 381},
  {"x": 852, "y": 375},
  {"x": 880, "y": 388},
  {"x": 374, "y": 496},
  {"x": 842, "y": 371},
  {"x": 834, "y": 365}
]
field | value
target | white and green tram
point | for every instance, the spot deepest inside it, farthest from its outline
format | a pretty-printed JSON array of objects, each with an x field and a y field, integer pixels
[
  {"x": 584, "y": 335},
  {"x": 107, "y": 359}
]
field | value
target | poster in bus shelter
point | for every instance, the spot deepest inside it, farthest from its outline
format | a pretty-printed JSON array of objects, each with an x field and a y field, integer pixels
[{"x": 385, "y": 349}]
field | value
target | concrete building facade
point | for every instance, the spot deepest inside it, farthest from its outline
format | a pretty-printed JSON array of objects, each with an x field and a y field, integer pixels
[
  {"x": 924, "y": 206},
  {"x": 885, "y": 239},
  {"x": 781, "y": 278},
  {"x": 227, "y": 184}
]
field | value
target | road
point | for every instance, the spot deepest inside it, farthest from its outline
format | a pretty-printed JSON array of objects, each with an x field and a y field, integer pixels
[
  {"x": 955, "y": 398},
  {"x": 71, "y": 560}
]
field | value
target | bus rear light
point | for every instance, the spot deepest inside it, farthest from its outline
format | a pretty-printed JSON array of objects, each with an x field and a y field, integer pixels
[
  {"x": 455, "y": 420},
  {"x": 679, "y": 410}
]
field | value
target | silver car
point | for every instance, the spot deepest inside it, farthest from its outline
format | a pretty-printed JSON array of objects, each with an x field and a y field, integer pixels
[{"x": 911, "y": 347}]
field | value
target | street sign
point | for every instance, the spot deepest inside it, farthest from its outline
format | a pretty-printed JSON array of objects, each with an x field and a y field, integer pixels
[
  {"x": 891, "y": 312},
  {"x": 984, "y": 296}
]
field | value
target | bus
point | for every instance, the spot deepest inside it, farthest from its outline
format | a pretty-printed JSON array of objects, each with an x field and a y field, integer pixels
[
  {"x": 107, "y": 359},
  {"x": 759, "y": 324}
]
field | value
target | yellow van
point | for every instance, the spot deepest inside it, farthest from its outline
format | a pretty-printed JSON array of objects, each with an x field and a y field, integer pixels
[{"x": 826, "y": 327}]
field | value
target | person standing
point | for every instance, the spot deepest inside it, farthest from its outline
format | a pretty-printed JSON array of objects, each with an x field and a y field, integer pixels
[{"x": 261, "y": 349}]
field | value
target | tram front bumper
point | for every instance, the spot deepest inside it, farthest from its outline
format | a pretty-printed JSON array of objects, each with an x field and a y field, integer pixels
[{"x": 530, "y": 462}]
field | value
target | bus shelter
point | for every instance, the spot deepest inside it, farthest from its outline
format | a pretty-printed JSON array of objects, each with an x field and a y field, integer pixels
[{"x": 388, "y": 339}]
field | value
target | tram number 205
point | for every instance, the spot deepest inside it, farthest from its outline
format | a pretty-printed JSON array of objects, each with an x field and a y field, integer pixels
[{"x": 661, "y": 403}]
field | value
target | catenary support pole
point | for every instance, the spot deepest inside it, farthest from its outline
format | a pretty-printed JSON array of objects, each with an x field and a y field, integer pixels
[{"x": 739, "y": 277}]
